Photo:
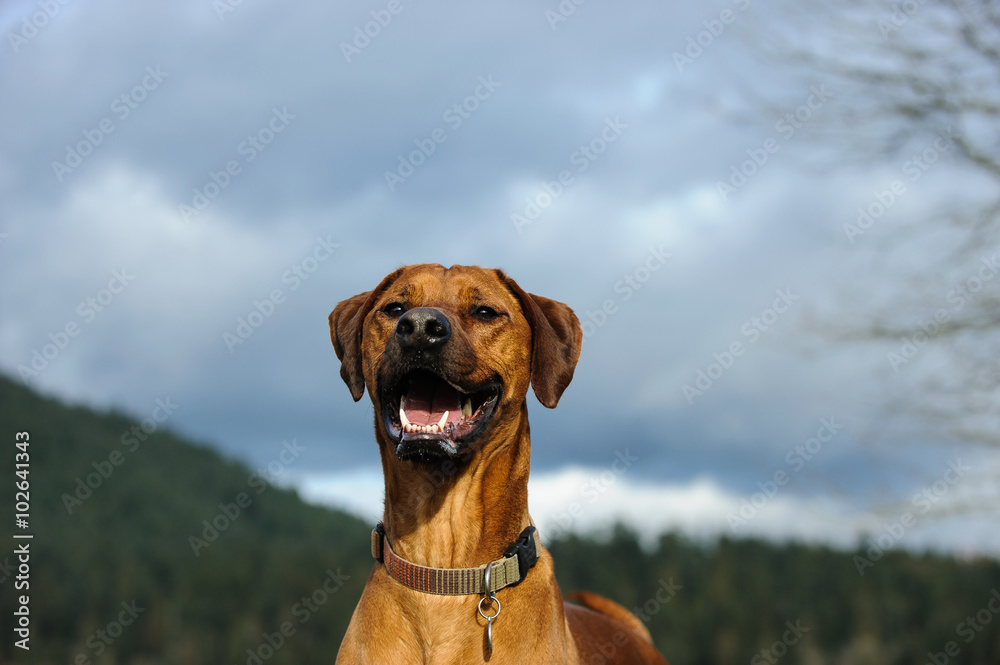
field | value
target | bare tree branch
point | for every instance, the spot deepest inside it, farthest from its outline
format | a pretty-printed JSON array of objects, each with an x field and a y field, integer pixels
[{"x": 918, "y": 81}]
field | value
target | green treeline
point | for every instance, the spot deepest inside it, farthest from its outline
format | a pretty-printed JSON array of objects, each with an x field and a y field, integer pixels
[
  {"x": 180, "y": 556},
  {"x": 750, "y": 601}
]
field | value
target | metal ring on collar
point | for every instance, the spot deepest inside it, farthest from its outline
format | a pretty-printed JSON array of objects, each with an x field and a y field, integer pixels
[{"x": 492, "y": 599}]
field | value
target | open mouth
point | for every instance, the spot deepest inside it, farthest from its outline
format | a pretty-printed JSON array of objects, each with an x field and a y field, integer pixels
[{"x": 431, "y": 418}]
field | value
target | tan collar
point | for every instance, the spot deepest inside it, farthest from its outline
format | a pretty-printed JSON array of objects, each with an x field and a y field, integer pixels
[{"x": 519, "y": 557}]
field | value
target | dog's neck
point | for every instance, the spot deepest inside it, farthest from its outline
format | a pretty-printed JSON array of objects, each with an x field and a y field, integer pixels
[{"x": 440, "y": 515}]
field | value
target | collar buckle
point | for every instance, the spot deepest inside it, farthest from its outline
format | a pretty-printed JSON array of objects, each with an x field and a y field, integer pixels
[{"x": 524, "y": 549}]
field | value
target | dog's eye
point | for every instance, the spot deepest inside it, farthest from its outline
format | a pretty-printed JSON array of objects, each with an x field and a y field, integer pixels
[
  {"x": 485, "y": 313},
  {"x": 394, "y": 309}
]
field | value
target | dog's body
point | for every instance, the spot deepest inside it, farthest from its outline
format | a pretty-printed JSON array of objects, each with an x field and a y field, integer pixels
[{"x": 447, "y": 356}]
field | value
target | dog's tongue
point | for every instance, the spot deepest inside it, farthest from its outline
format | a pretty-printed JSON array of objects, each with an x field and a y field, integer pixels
[{"x": 427, "y": 400}]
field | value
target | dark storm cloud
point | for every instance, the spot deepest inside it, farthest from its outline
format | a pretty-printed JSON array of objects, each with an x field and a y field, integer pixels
[{"x": 288, "y": 141}]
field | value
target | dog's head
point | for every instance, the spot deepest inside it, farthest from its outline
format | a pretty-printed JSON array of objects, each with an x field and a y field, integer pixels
[{"x": 447, "y": 354}]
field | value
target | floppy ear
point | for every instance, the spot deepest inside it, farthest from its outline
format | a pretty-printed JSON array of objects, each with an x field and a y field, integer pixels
[
  {"x": 346, "y": 321},
  {"x": 556, "y": 339},
  {"x": 345, "y": 325}
]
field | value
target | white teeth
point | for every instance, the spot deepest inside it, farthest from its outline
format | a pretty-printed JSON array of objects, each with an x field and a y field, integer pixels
[
  {"x": 402, "y": 415},
  {"x": 467, "y": 408},
  {"x": 422, "y": 429}
]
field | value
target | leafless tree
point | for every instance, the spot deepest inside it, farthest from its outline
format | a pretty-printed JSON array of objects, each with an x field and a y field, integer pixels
[{"x": 916, "y": 86}]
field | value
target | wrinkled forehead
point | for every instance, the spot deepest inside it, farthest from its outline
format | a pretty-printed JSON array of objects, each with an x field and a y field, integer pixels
[{"x": 435, "y": 285}]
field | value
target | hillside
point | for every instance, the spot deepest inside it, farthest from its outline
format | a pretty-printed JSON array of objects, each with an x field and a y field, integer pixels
[
  {"x": 131, "y": 573},
  {"x": 130, "y": 541}
]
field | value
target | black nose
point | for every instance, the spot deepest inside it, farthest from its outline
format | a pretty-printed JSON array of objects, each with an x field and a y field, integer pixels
[{"x": 422, "y": 328}]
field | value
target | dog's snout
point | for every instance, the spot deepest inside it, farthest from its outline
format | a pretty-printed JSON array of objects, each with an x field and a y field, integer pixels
[{"x": 423, "y": 328}]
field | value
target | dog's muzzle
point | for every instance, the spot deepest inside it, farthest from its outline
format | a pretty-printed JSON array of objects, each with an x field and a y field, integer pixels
[{"x": 428, "y": 413}]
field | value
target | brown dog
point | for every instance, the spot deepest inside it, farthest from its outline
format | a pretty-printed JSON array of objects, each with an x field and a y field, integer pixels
[{"x": 447, "y": 356}]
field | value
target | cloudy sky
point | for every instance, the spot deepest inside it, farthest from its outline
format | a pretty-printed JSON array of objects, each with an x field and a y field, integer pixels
[{"x": 188, "y": 188}]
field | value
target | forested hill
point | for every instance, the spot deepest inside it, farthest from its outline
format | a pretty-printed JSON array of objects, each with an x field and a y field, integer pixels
[
  {"x": 125, "y": 570},
  {"x": 133, "y": 539}
]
